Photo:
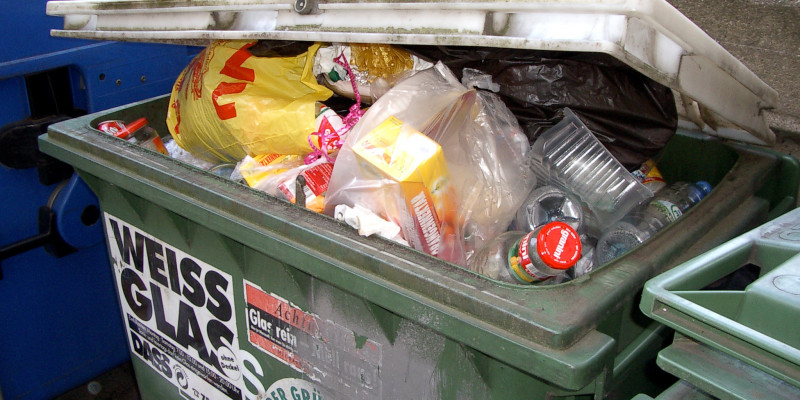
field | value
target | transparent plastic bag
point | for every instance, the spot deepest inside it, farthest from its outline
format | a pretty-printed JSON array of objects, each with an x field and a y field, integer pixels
[{"x": 387, "y": 167}]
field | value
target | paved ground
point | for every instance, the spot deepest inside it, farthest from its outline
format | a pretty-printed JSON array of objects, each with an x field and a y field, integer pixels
[
  {"x": 765, "y": 36},
  {"x": 117, "y": 384}
]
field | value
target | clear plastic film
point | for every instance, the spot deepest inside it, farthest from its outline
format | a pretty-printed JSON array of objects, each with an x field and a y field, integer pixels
[
  {"x": 375, "y": 67},
  {"x": 432, "y": 144}
]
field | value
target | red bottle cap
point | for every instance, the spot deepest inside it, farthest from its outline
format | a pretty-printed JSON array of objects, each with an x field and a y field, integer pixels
[{"x": 558, "y": 245}]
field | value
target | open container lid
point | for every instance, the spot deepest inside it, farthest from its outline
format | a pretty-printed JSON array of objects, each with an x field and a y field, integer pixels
[{"x": 714, "y": 90}]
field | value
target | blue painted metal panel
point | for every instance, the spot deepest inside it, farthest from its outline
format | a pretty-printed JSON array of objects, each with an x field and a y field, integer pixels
[
  {"x": 13, "y": 101},
  {"x": 60, "y": 319},
  {"x": 130, "y": 72},
  {"x": 25, "y": 30},
  {"x": 109, "y": 74}
]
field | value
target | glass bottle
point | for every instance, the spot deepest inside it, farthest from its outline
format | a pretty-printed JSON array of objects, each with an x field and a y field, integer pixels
[{"x": 528, "y": 258}]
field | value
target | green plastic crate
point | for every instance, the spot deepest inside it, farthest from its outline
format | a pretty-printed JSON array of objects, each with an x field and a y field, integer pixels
[
  {"x": 288, "y": 301},
  {"x": 681, "y": 390},
  {"x": 742, "y": 342}
]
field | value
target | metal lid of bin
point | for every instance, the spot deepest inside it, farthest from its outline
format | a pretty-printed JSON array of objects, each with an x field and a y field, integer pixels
[{"x": 714, "y": 90}]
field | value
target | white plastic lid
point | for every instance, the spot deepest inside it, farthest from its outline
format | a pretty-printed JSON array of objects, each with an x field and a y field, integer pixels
[{"x": 715, "y": 92}]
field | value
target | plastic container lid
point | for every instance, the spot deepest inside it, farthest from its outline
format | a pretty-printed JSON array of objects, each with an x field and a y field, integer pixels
[
  {"x": 558, "y": 245},
  {"x": 718, "y": 94}
]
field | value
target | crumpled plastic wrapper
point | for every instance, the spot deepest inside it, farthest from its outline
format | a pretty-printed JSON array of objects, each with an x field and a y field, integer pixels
[
  {"x": 368, "y": 223},
  {"x": 376, "y": 68}
]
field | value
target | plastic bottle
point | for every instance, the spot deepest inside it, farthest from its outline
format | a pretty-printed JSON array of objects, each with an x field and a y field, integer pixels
[
  {"x": 528, "y": 258},
  {"x": 586, "y": 263},
  {"x": 643, "y": 222},
  {"x": 649, "y": 175},
  {"x": 569, "y": 156},
  {"x": 547, "y": 204}
]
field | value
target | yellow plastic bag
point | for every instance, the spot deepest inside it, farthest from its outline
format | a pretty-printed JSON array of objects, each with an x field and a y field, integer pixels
[{"x": 227, "y": 103}]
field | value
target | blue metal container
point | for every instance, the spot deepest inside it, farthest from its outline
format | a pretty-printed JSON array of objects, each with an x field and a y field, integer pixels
[{"x": 60, "y": 321}]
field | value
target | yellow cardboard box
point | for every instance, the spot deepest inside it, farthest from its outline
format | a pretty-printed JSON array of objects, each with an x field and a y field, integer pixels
[{"x": 416, "y": 162}]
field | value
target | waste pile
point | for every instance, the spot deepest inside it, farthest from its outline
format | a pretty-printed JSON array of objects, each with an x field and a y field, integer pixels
[{"x": 525, "y": 167}]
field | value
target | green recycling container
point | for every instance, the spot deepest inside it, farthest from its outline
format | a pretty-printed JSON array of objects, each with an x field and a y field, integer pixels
[
  {"x": 736, "y": 312},
  {"x": 227, "y": 292},
  {"x": 681, "y": 390}
]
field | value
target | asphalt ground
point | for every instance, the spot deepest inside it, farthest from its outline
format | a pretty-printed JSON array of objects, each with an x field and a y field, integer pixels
[
  {"x": 765, "y": 36},
  {"x": 117, "y": 384}
]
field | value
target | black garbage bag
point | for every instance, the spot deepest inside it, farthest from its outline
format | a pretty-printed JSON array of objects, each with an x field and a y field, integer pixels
[{"x": 632, "y": 115}]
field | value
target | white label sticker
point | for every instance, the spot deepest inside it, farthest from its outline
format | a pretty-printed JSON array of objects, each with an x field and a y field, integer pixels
[
  {"x": 291, "y": 388},
  {"x": 179, "y": 313}
]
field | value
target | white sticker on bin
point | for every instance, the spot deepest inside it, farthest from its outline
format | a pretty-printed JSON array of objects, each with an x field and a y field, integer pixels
[{"x": 178, "y": 312}]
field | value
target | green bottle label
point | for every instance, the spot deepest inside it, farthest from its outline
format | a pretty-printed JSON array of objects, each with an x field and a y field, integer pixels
[
  {"x": 515, "y": 262},
  {"x": 671, "y": 211}
]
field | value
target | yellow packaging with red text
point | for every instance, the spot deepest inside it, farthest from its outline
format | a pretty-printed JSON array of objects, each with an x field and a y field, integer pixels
[
  {"x": 255, "y": 169},
  {"x": 416, "y": 162}
]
